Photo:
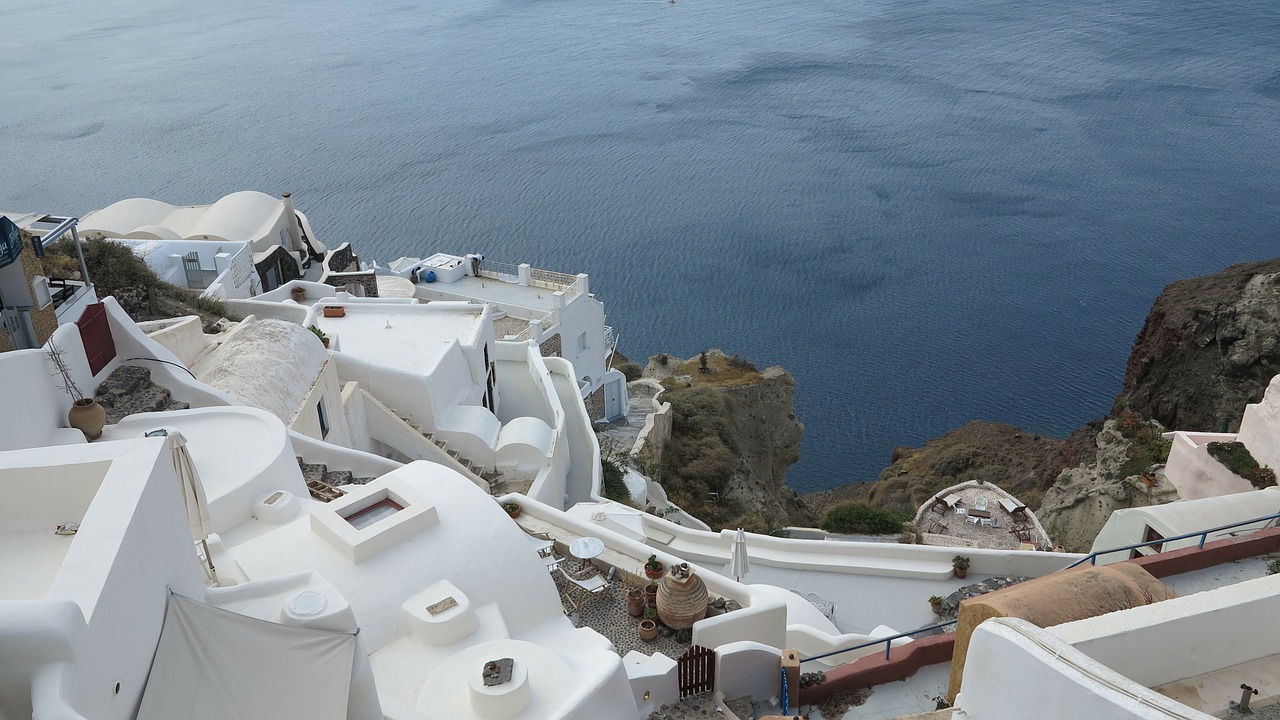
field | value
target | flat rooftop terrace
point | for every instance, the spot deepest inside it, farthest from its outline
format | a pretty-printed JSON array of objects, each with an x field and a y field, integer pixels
[
  {"x": 489, "y": 290},
  {"x": 412, "y": 338}
]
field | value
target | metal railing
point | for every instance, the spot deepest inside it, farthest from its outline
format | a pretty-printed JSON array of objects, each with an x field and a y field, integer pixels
[
  {"x": 551, "y": 277},
  {"x": 1092, "y": 558},
  {"x": 888, "y": 641},
  {"x": 496, "y": 270},
  {"x": 1202, "y": 534}
]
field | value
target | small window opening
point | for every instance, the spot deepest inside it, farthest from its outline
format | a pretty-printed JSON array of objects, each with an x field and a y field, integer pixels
[
  {"x": 324, "y": 420},
  {"x": 362, "y": 519}
]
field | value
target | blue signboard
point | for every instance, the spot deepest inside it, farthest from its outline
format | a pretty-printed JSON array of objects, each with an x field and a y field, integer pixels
[{"x": 10, "y": 242}]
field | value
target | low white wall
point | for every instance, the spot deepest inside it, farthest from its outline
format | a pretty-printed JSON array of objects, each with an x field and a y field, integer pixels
[
  {"x": 887, "y": 559},
  {"x": 582, "y": 480},
  {"x": 184, "y": 336},
  {"x": 1194, "y": 472},
  {"x": 654, "y": 681},
  {"x": 1260, "y": 426},
  {"x": 747, "y": 668},
  {"x": 132, "y": 342},
  {"x": 274, "y": 309},
  {"x": 656, "y": 431},
  {"x": 1211, "y": 630},
  {"x": 1017, "y": 671},
  {"x": 32, "y": 412},
  {"x": 41, "y": 497},
  {"x": 136, "y": 546},
  {"x": 361, "y": 464}
]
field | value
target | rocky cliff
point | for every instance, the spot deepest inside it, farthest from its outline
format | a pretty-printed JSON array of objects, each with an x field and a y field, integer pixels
[
  {"x": 1001, "y": 454},
  {"x": 1124, "y": 471},
  {"x": 1208, "y": 348},
  {"x": 734, "y": 435}
]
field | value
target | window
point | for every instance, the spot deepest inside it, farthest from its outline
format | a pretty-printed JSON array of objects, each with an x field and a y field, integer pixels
[
  {"x": 324, "y": 421},
  {"x": 582, "y": 342},
  {"x": 365, "y": 517}
]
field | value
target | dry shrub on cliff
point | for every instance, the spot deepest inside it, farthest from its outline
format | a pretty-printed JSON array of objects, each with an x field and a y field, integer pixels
[{"x": 700, "y": 457}]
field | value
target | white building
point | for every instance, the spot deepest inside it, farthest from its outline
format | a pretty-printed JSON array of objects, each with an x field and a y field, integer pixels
[
  {"x": 554, "y": 310},
  {"x": 201, "y": 246}
]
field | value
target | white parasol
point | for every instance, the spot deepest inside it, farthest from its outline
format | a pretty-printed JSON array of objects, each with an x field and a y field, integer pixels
[
  {"x": 739, "y": 564},
  {"x": 193, "y": 496}
]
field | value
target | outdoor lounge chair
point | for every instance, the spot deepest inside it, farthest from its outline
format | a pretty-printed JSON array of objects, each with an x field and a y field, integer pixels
[{"x": 579, "y": 591}]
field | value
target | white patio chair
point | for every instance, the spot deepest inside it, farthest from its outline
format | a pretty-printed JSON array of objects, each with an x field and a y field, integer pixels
[{"x": 579, "y": 591}]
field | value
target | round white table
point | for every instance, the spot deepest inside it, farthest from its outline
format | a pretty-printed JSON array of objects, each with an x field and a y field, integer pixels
[{"x": 585, "y": 548}]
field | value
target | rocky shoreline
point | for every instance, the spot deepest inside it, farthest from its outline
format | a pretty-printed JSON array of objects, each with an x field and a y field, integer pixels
[{"x": 1208, "y": 347}]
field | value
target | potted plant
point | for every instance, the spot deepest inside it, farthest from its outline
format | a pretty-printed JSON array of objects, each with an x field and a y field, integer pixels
[
  {"x": 512, "y": 509},
  {"x": 936, "y": 602},
  {"x": 651, "y": 595},
  {"x": 648, "y": 629},
  {"x": 333, "y": 311},
  {"x": 960, "y": 564},
  {"x": 298, "y": 293},
  {"x": 635, "y": 602},
  {"x": 86, "y": 415},
  {"x": 653, "y": 567},
  {"x": 320, "y": 334}
]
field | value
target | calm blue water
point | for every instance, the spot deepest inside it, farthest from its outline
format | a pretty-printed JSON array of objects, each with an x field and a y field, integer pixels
[{"x": 928, "y": 210}]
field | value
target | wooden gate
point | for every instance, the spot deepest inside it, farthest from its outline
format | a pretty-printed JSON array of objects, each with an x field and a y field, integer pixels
[
  {"x": 95, "y": 333},
  {"x": 697, "y": 671}
]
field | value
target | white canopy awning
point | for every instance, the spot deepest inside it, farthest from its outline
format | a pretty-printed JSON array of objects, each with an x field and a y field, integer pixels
[{"x": 213, "y": 664}]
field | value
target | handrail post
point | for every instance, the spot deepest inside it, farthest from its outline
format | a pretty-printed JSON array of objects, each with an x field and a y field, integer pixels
[
  {"x": 887, "y": 645},
  {"x": 1203, "y": 536}
]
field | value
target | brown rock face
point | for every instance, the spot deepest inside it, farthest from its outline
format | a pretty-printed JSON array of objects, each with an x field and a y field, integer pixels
[{"x": 1208, "y": 348}]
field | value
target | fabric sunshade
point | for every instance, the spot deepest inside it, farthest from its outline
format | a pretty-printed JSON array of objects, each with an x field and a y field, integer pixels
[{"x": 213, "y": 664}]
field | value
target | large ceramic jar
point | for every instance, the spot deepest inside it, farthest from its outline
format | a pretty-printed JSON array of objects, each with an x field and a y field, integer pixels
[{"x": 682, "y": 601}]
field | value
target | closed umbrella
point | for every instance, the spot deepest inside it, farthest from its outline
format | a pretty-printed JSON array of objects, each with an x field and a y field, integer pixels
[
  {"x": 738, "y": 562},
  {"x": 193, "y": 496}
]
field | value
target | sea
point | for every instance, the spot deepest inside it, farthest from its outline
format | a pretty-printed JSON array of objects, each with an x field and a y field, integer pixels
[{"x": 928, "y": 211}]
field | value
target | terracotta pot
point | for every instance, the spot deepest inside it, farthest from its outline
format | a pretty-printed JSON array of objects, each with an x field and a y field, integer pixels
[
  {"x": 648, "y": 630},
  {"x": 655, "y": 573},
  {"x": 937, "y": 608},
  {"x": 682, "y": 601},
  {"x": 961, "y": 572},
  {"x": 651, "y": 595},
  {"x": 635, "y": 602},
  {"x": 298, "y": 294},
  {"x": 88, "y": 417},
  {"x": 514, "y": 512},
  {"x": 335, "y": 310}
]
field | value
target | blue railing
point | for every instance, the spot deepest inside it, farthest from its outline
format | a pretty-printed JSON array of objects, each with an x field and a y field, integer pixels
[
  {"x": 1092, "y": 558},
  {"x": 1202, "y": 534},
  {"x": 888, "y": 641}
]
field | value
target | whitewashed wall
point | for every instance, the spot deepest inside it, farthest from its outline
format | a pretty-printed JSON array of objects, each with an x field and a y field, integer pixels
[
  {"x": 1260, "y": 427},
  {"x": 1016, "y": 671},
  {"x": 135, "y": 546},
  {"x": 1194, "y": 472},
  {"x": 1211, "y": 630}
]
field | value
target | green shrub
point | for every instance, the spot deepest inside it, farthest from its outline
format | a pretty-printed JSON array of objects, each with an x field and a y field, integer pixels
[
  {"x": 1146, "y": 446},
  {"x": 614, "y": 487},
  {"x": 112, "y": 266},
  {"x": 631, "y": 370},
  {"x": 955, "y": 460},
  {"x": 860, "y": 518},
  {"x": 1273, "y": 567},
  {"x": 738, "y": 363},
  {"x": 1235, "y": 457}
]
